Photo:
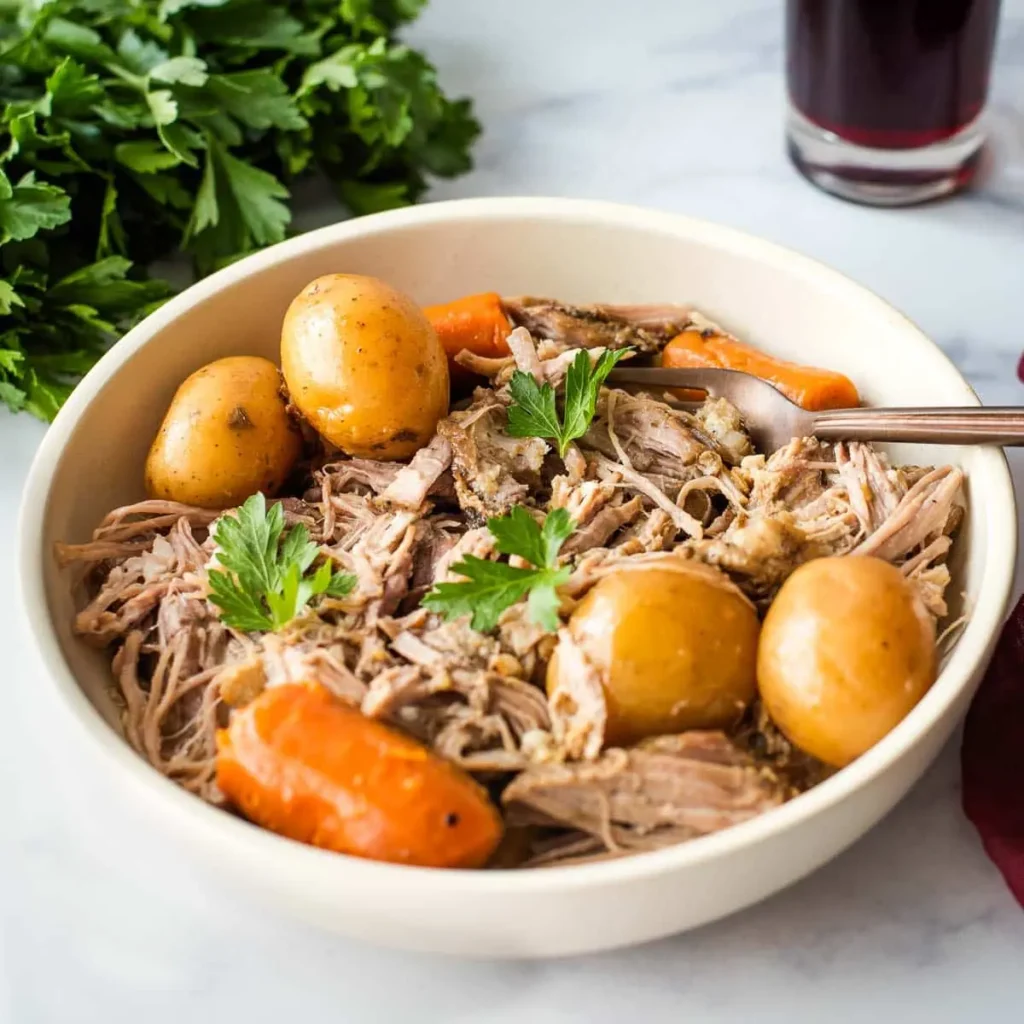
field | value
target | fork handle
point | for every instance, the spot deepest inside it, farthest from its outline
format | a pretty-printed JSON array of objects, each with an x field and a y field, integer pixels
[{"x": 992, "y": 425}]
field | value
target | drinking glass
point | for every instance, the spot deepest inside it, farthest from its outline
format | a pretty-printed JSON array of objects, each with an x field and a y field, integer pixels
[{"x": 886, "y": 96}]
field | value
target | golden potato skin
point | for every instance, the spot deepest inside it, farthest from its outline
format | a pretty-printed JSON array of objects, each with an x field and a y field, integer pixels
[
  {"x": 847, "y": 649},
  {"x": 364, "y": 366},
  {"x": 676, "y": 647},
  {"x": 226, "y": 435}
]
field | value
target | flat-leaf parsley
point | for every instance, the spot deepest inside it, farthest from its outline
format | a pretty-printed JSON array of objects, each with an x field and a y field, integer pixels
[
  {"x": 264, "y": 582},
  {"x": 534, "y": 413},
  {"x": 131, "y": 130},
  {"x": 491, "y": 587}
]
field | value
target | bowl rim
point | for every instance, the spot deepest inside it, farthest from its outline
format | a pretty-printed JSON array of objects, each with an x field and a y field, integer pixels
[{"x": 264, "y": 854}]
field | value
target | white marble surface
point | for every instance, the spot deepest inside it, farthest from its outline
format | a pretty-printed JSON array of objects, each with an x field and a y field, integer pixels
[{"x": 676, "y": 105}]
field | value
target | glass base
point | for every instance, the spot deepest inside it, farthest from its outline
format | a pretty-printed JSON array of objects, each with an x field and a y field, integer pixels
[{"x": 883, "y": 177}]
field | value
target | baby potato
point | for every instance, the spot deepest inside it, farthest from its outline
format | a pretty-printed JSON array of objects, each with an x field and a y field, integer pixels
[
  {"x": 364, "y": 366},
  {"x": 847, "y": 649},
  {"x": 675, "y": 644},
  {"x": 226, "y": 435}
]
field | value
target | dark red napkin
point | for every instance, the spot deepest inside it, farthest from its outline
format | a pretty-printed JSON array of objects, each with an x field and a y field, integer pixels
[{"x": 992, "y": 756}]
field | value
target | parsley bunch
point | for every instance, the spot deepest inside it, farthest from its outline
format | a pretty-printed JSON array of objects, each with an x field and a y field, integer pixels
[
  {"x": 264, "y": 582},
  {"x": 134, "y": 129},
  {"x": 491, "y": 587},
  {"x": 534, "y": 413}
]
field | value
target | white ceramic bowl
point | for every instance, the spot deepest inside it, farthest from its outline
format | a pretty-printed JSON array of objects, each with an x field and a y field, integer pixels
[{"x": 92, "y": 457}]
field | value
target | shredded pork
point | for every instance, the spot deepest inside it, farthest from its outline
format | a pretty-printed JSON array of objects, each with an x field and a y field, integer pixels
[
  {"x": 688, "y": 785},
  {"x": 645, "y": 480}
]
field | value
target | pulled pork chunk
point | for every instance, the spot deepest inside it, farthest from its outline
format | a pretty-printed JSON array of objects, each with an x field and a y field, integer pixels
[
  {"x": 529, "y": 644},
  {"x": 555, "y": 365},
  {"x": 578, "y": 709},
  {"x": 807, "y": 500},
  {"x": 547, "y": 363},
  {"x": 169, "y": 568},
  {"x": 478, "y": 542},
  {"x": 874, "y": 489},
  {"x": 790, "y": 477},
  {"x": 603, "y": 525},
  {"x": 459, "y": 691},
  {"x": 646, "y": 487},
  {"x": 653, "y": 533},
  {"x": 371, "y": 474},
  {"x": 645, "y": 435},
  {"x": 436, "y": 539},
  {"x": 492, "y": 471},
  {"x": 645, "y": 328},
  {"x": 653, "y": 450},
  {"x": 170, "y": 717},
  {"x": 923, "y": 514},
  {"x": 487, "y": 724},
  {"x": 524, "y": 351},
  {"x": 485, "y": 366},
  {"x": 721, "y": 421},
  {"x": 691, "y": 784},
  {"x": 307, "y": 650},
  {"x": 380, "y": 554},
  {"x": 597, "y": 506},
  {"x": 412, "y": 483},
  {"x": 207, "y": 641},
  {"x": 405, "y": 486},
  {"x": 929, "y": 573},
  {"x": 313, "y": 650},
  {"x": 132, "y": 529},
  {"x": 794, "y": 509},
  {"x": 757, "y": 551}
]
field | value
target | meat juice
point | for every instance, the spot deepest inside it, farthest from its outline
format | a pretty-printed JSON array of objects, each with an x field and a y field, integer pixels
[{"x": 890, "y": 74}]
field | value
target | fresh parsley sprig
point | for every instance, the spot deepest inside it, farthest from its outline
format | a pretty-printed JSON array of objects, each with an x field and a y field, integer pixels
[
  {"x": 534, "y": 412},
  {"x": 265, "y": 582},
  {"x": 135, "y": 130},
  {"x": 491, "y": 587}
]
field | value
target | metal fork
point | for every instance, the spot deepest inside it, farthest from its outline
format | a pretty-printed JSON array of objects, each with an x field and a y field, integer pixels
[{"x": 773, "y": 420}]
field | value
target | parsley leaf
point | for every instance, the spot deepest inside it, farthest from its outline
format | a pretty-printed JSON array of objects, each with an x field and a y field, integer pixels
[
  {"x": 52, "y": 330},
  {"x": 258, "y": 99},
  {"x": 143, "y": 129},
  {"x": 582, "y": 385},
  {"x": 187, "y": 70},
  {"x": 238, "y": 207},
  {"x": 534, "y": 413},
  {"x": 263, "y": 582},
  {"x": 28, "y": 207},
  {"x": 517, "y": 534},
  {"x": 145, "y": 156},
  {"x": 491, "y": 587}
]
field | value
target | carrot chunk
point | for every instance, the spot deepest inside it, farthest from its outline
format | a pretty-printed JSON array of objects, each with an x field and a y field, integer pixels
[
  {"x": 475, "y": 322},
  {"x": 303, "y": 764},
  {"x": 808, "y": 386}
]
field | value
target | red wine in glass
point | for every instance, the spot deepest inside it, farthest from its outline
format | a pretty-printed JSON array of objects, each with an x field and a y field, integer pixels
[{"x": 886, "y": 96}]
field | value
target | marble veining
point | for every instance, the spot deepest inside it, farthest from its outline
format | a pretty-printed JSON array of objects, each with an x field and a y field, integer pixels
[{"x": 677, "y": 106}]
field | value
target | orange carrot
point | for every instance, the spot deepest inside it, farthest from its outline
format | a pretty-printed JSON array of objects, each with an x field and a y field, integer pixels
[
  {"x": 301, "y": 763},
  {"x": 475, "y": 322},
  {"x": 809, "y": 387}
]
